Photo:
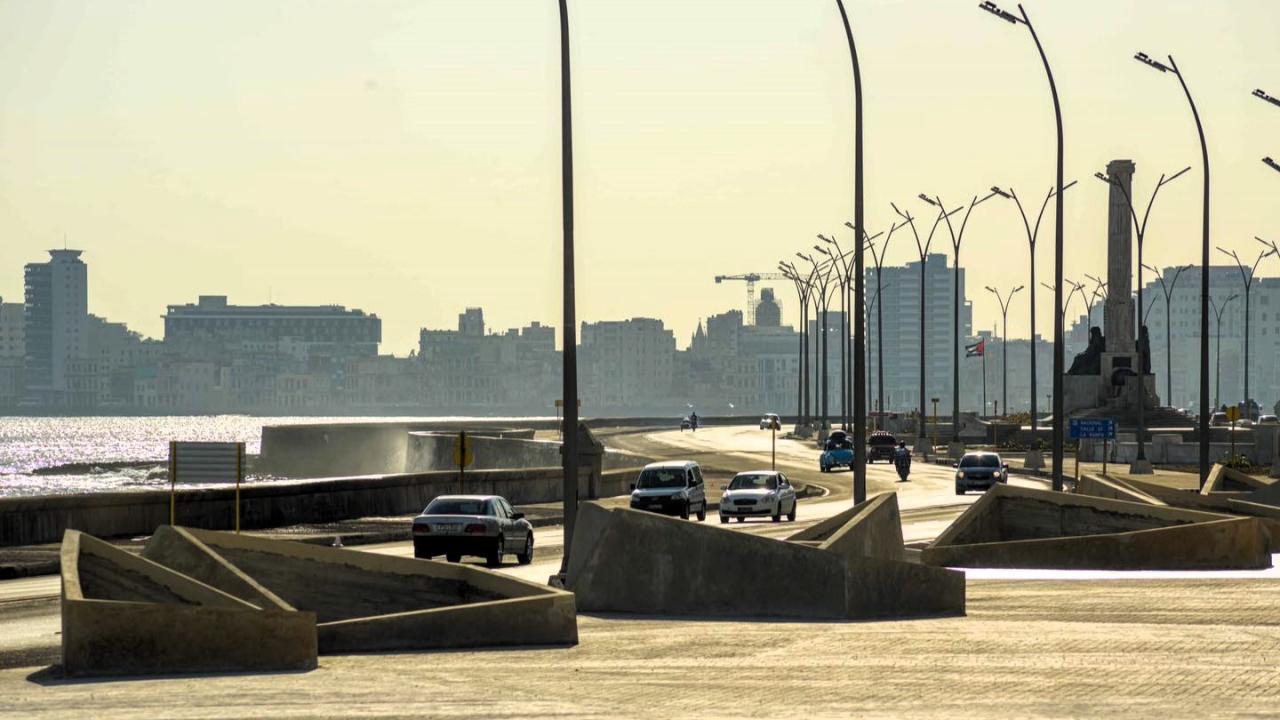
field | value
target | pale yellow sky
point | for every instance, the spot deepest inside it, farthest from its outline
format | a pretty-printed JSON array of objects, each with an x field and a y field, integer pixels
[{"x": 403, "y": 157}]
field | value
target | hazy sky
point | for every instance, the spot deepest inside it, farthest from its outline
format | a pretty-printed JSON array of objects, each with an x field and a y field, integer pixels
[{"x": 403, "y": 157}]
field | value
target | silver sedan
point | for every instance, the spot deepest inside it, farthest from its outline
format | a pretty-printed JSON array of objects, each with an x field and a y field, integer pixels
[{"x": 480, "y": 525}]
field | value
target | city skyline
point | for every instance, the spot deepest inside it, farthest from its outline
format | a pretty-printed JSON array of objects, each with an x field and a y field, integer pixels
[{"x": 408, "y": 156}]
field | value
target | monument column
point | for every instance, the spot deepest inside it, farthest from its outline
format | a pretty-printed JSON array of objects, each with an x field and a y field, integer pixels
[{"x": 1120, "y": 315}]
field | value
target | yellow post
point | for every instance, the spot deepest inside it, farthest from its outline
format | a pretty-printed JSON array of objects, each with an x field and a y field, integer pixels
[
  {"x": 173, "y": 478},
  {"x": 239, "y": 475}
]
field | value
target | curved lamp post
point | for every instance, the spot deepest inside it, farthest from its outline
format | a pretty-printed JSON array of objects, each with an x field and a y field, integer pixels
[
  {"x": 1167, "y": 290},
  {"x": 877, "y": 256},
  {"x": 1172, "y": 67},
  {"x": 569, "y": 355},
  {"x": 1140, "y": 464},
  {"x": 844, "y": 264},
  {"x": 1059, "y": 363},
  {"x": 1004, "y": 343},
  {"x": 822, "y": 277},
  {"x": 923, "y": 249},
  {"x": 956, "y": 239},
  {"x": 1217, "y": 375},
  {"x": 1247, "y": 276},
  {"x": 804, "y": 286}
]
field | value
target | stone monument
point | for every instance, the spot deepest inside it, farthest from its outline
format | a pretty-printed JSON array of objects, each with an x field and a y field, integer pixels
[{"x": 1104, "y": 380}]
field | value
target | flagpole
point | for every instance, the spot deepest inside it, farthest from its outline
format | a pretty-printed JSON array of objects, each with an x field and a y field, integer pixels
[{"x": 984, "y": 380}]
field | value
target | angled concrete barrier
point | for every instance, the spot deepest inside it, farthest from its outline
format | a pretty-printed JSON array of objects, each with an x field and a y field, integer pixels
[
  {"x": 126, "y": 615},
  {"x": 1269, "y": 495},
  {"x": 1114, "y": 488},
  {"x": 1014, "y": 527},
  {"x": 1224, "y": 479},
  {"x": 869, "y": 529},
  {"x": 636, "y": 562},
  {"x": 1225, "y": 503},
  {"x": 365, "y": 601}
]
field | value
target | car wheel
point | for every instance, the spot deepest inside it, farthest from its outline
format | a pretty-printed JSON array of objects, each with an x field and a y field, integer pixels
[
  {"x": 742, "y": 519},
  {"x": 494, "y": 559},
  {"x": 959, "y": 489},
  {"x": 453, "y": 557},
  {"x": 526, "y": 557},
  {"x": 684, "y": 511},
  {"x": 791, "y": 516},
  {"x": 702, "y": 512},
  {"x": 724, "y": 519},
  {"x": 777, "y": 512}
]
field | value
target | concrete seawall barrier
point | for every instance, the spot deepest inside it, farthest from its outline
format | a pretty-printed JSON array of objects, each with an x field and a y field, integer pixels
[
  {"x": 427, "y": 451},
  {"x": 38, "y": 520}
]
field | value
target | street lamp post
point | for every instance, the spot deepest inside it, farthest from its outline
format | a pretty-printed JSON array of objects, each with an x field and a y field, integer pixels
[
  {"x": 843, "y": 262},
  {"x": 875, "y": 305},
  {"x": 859, "y": 292},
  {"x": 923, "y": 248},
  {"x": 877, "y": 256},
  {"x": 1004, "y": 343},
  {"x": 1167, "y": 290},
  {"x": 569, "y": 355},
  {"x": 822, "y": 276},
  {"x": 956, "y": 449},
  {"x": 843, "y": 285},
  {"x": 1059, "y": 363},
  {"x": 1217, "y": 375},
  {"x": 803, "y": 289},
  {"x": 1140, "y": 464},
  {"x": 1204, "y": 263},
  {"x": 1032, "y": 460},
  {"x": 1246, "y": 278}
]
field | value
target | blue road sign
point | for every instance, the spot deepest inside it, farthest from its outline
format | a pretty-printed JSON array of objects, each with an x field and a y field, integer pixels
[{"x": 1093, "y": 429}]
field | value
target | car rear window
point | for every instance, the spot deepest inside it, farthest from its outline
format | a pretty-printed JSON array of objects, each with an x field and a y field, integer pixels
[{"x": 455, "y": 506}]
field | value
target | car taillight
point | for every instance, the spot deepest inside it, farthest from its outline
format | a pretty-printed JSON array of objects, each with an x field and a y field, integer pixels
[
  {"x": 421, "y": 530},
  {"x": 475, "y": 529}
]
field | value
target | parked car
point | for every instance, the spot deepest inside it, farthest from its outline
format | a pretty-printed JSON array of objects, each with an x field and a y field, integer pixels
[
  {"x": 836, "y": 452},
  {"x": 758, "y": 494},
  {"x": 880, "y": 446},
  {"x": 770, "y": 420},
  {"x": 482, "y": 525},
  {"x": 1219, "y": 419},
  {"x": 671, "y": 488},
  {"x": 1268, "y": 420},
  {"x": 980, "y": 470}
]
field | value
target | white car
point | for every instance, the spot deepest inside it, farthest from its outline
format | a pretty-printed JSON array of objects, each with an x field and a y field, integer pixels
[{"x": 760, "y": 493}]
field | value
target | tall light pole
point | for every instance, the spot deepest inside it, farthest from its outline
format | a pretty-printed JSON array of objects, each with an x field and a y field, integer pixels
[
  {"x": 1032, "y": 460},
  {"x": 822, "y": 276},
  {"x": 859, "y": 292},
  {"x": 842, "y": 284},
  {"x": 1004, "y": 343},
  {"x": 1246, "y": 278},
  {"x": 877, "y": 256},
  {"x": 1172, "y": 67},
  {"x": 876, "y": 301},
  {"x": 569, "y": 356},
  {"x": 956, "y": 238},
  {"x": 923, "y": 248},
  {"x": 803, "y": 288},
  {"x": 1059, "y": 364},
  {"x": 1140, "y": 464},
  {"x": 1066, "y": 303},
  {"x": 843, "y": 262},
  {"x": 1167, "y": 290},
  {"x": 1217, "y": 375}
]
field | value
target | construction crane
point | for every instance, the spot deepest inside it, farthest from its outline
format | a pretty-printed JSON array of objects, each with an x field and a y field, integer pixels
[{"x": 751, "y": 279}]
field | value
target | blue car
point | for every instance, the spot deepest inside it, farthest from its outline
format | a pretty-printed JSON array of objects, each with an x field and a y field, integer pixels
[{"x": 836, "y": 452}]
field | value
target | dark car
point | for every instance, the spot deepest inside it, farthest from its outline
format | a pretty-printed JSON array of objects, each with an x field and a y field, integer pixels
[
  {"x": 980, "y": 470},
  {"x": 880, "y": 446}
]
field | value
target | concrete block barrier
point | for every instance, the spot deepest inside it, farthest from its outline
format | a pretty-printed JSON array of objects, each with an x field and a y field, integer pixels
[
  {"x": 126, "y": 615},
  {"x": 1012, "y": 527},
  {"x": 869, "y": 529},
  {"x": 636, "y": 562}
]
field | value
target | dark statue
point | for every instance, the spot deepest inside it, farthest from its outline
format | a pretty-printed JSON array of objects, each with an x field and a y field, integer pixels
[
  {"x": 1089, "y": 362},
  {"x": 1144, "y": 350}
]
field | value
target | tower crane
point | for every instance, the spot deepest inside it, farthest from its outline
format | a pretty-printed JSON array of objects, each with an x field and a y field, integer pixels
[{"x": 751, "y": 279}]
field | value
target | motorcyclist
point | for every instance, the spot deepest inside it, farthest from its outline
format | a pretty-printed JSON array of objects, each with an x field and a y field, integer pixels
[
  {"x": 693, "y": 421},
  {"x": 902, "y": 461}
]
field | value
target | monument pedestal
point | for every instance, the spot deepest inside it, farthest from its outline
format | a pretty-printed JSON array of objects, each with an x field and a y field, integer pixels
[
  {"x": 955, "y": 450},
  {"x": 1033, "y": 460},
  {"x": 1141, "y": 467}
]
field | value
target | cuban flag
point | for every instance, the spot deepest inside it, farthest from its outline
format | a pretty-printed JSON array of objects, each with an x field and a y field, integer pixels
[{"x": 978, "y": 349}]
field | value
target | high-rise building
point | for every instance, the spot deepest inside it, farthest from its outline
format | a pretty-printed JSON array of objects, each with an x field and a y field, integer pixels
[
  {"x": 900, "y": 290},
  {"x": 55, "y": 318},
  {"x": 13, "y": 353},
  {"x": 768, "y": 311},
  {"x": 626, "y": 366}
]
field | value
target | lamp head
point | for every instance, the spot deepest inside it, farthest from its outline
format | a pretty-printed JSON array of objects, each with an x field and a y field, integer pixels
[
  {"x": 1001, "y": 193},
  {"x": 1271, "y": 163},
  {"x": 1102, "y": 177},
  {"x": 1261, "y": 94},
  {"x": 1002, "y": 14},
  {"x": 928, "y": 199},
  {"x": 1149, "y": 61}
]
